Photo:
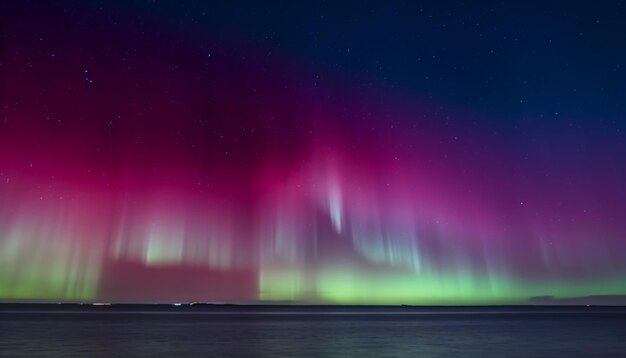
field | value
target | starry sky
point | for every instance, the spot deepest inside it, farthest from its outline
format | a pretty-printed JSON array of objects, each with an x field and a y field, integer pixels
[{"x": 354, "y": 152}]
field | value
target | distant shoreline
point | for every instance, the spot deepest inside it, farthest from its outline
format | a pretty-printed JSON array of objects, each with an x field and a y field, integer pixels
[{"x": 7, "y": 307}]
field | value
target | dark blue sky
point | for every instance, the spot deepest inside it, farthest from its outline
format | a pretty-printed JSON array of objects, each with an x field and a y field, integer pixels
[{"x": 513, "y": 59}]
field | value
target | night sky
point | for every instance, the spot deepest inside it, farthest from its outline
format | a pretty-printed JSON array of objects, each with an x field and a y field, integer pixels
[{"x": 347, "y": 152}]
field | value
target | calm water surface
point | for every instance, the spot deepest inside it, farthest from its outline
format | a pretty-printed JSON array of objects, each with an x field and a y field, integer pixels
[{"x": 315, "y": 333}]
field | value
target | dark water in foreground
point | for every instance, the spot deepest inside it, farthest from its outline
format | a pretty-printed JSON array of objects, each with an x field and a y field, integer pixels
[{"x": 302, "y": 332}]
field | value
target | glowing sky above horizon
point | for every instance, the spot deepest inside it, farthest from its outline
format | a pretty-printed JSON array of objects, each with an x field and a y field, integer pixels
[{"x": 159, "y": 152}]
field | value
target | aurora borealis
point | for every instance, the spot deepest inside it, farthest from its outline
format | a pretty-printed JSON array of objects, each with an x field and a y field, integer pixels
[{"x": 164, "y": 152}]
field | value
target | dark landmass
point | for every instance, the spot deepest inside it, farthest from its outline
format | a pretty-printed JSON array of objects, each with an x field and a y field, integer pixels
[{"x": 553, "y": 307}]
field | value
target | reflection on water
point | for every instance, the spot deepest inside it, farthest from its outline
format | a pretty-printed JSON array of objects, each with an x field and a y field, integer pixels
[{"x": 314, "y": 333}]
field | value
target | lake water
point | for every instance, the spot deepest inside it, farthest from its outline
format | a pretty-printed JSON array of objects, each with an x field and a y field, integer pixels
[{"x": 302, "y": 332}]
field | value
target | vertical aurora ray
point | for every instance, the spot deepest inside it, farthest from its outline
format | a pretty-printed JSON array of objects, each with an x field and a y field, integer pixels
[{"x": 44, "y": 253}]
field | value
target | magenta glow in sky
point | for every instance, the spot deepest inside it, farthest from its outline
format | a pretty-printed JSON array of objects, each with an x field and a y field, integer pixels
[{"x": 141, "y": 167}]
